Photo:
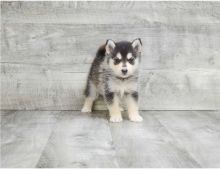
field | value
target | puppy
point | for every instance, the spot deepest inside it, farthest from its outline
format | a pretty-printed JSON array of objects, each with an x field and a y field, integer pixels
[{"x": 114, "y": 75}]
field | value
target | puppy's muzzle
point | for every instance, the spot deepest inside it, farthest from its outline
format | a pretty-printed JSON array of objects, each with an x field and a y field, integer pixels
[{"x": 124, "y": 71}]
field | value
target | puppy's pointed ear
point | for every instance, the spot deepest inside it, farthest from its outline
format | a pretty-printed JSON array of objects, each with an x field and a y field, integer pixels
[
  {"x": 137, "y": 45},
  {"x": 109, "y": 46}
]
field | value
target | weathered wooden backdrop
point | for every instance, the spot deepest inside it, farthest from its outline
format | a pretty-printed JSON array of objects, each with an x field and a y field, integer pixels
[{"x": 47, "y": 49}]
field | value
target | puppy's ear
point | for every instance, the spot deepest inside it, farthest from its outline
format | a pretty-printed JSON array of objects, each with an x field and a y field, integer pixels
[
  {"x": 137, "y": 45},
  {"x": 109, "y": 46}
]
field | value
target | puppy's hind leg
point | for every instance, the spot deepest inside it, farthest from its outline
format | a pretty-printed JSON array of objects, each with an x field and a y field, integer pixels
[{"x": 91, "y": 94}]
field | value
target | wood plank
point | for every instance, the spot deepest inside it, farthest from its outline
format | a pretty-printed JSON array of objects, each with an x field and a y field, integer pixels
[
  {"x": 71, "y": 139},
  {"x": 197, "y": 132},
  {"x": 148, "y": 144},
  {"x": 164, "y": 47},
  {"x": 44, "y": 88},
  {"x": 174, "y": 13},
  {"x": 79, "y": 140},
  {"x": 24, "y": 135},
  {"x": 48, "y": 49}
]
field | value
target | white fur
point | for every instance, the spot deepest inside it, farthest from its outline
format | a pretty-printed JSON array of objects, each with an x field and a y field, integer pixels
[
  {"x": 114, "y": 110},
  {"x": 87, "y": 107},
  {"x": 129, "y": 56},
  {"x": 122, "y": 86},
  {"x": 117, "y": 68},
  {"x": 119, "y": 55},
  {"x": 133, "y": 110},
  {"x": 132, "y": 68},
  {"x": 116, "y": 85},
  {"x": 136, "y": 44},
  {"x": 109, "y": 46}
]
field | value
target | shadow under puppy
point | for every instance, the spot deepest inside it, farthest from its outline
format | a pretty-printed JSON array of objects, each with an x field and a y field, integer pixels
[{"x": 114, "y": 75}]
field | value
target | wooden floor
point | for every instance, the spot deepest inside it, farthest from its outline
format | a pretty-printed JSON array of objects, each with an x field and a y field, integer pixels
[{"x": 73, "y": 139}]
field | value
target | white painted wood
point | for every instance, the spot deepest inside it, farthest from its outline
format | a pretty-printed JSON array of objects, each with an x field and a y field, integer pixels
[
  {"x": 164, "y": 47},
  {"x": 24, "y": 135},
  {"x": 71, "y": 139},
  {"x": 79, "y": 140},
  {"x": 172, "y": 13},
  {"x": 47, "y": 49},
  {"x": 54, "y": 88},
  {"x": 148, "y": 144},
  {"x": 196, "y": 132}
]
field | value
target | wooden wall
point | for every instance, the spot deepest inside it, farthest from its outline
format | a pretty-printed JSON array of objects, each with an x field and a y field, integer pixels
[{"x": 47, "y": 49}]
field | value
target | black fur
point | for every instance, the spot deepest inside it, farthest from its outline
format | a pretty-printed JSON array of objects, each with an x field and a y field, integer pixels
[
  {"x": 124, "y": 47},
  {"x": 86, "y": 91},
  {"x": 135, "y": 95},
  {"x": 94, "y": 70},
  {"x": 109, "y": 96}
]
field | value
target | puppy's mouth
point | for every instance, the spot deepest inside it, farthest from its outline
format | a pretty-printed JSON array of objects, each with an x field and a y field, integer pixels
[{"x": 123, "y": 77}]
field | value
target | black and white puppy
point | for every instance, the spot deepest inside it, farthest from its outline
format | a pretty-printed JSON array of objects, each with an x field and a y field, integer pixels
[{"x": 114, "y": 75}]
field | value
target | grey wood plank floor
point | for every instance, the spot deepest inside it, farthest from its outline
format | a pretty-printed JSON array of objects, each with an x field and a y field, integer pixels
[{"x": 73, "y": 139}]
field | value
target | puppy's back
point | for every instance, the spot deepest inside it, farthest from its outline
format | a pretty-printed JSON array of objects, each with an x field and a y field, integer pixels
[{"x": 95, "y": 68}]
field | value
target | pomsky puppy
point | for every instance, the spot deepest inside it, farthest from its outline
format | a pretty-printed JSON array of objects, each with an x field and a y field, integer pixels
[{"x": 114, "y": 75}]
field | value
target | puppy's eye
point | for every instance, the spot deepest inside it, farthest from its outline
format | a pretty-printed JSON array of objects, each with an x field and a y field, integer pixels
[
  {"x": 116, "y": 61},
  {"x": 131, "y": 60}
]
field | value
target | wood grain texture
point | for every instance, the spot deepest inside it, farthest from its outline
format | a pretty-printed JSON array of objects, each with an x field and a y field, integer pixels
[
  {"x": 71, "y": 139},
  {"x": 164, "y": 47},
  {"x": 173, "y": 13},
  {"x": 33, "y": 87},
  {"x": 79, "y": 140},
  {"x": 48, "y": 47},
  {"x": 23, "y": 136},
  {"x": 195, "y": 131},
  {"x": 148, "y": 144}
]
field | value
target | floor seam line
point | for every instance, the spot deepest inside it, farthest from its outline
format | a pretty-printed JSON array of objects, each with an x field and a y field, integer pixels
[
  {"x": 173, "y": 137},
  {"x": 114, "y": 148},
  {"x": 57, "y": 118}
]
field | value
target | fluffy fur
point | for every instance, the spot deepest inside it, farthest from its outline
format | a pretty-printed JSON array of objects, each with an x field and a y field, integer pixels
[{"x": 114, "y": 75}]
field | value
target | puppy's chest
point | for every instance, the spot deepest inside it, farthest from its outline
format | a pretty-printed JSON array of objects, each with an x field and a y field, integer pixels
[{"x": 123, "y": 87}]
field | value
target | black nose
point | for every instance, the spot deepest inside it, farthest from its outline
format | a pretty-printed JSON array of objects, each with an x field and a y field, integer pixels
[{"x": 124, "y": 71}]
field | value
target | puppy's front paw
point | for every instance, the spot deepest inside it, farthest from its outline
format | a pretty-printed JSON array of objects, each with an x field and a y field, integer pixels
[
  {"x": 115, "y": 119},
  {"x": 86, "y": 110},
  {"x": 136, "y": 118}
]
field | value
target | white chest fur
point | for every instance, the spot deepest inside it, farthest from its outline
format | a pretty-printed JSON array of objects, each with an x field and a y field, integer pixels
[{"x": 122, "y": 87}]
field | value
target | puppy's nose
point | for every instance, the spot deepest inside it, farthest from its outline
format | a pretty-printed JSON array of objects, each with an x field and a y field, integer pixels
[{"x": 124, "y": 71}]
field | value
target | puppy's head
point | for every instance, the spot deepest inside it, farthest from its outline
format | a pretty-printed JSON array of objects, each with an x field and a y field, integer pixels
[{"x": 124, "y": 56}]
